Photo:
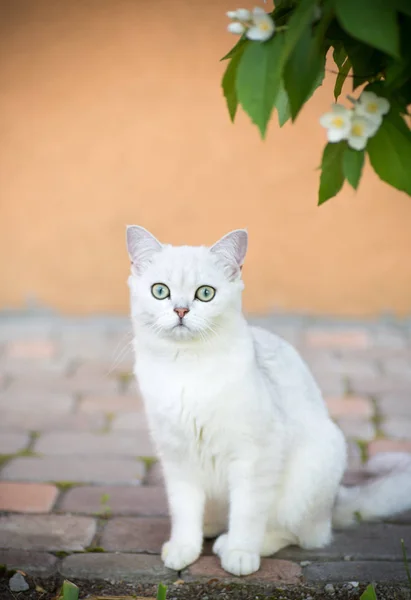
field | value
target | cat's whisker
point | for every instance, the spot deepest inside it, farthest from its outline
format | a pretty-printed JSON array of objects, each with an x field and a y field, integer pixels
[{"x": 120, "y": 357}]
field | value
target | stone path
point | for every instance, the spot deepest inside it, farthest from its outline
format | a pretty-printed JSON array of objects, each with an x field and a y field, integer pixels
[{"x": 81, "y": 494}]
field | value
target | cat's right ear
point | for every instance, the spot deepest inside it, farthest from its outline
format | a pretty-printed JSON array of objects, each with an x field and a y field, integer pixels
[{"x": 141, "y": 245}]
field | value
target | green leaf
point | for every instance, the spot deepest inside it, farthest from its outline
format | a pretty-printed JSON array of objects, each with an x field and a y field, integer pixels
[
  {"x": 243, "y": 40},
  {"x": 229, "y": 83},
  {"x": 353, "y": 162},
  {"x": 332, "y": 175},
  {"x": 369, "y": 593},
  {"x": 70, "y": 591},
  {"x": 339, "y": 54},
  {"x": 161, "y": 592},
  {"x": 403, "y": 6},
  {"x": 283, "y": 106},
  {"x": 341, "y": 77},
  {"x": 303, "y": 69},
  {"x": 300, "y": 19},
  {"x": 390, "y": 151},
  {"x": 366, "y": 61},
  {"x": 371, "y": 21},
  {"x": 259, "y": 79}
]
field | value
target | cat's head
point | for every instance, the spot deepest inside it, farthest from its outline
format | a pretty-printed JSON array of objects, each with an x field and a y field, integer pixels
[{"x": 185, "y": 292}]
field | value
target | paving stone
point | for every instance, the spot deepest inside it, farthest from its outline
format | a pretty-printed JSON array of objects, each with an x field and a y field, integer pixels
[
  {"x": 350, "y": 407},
  {"x": 271, "y": 570},
  {"x": 369, "y": 541},
  {"x": 105, "y": 370},
  {"x": 354, "y": 478},
  {"x": 358, "y": 430},
  {"x": 362, "y": 571},
  {"x": 129, "y": 421},
  {"x": 30, "y": 401},
  {"x": 330, "y": 385},
  {"x": 397, "y": 428},
  {"x": 117, "y": 500},
  {"x": 32, "y": 349},
  {"x": 128, "y": 568},
  {"x": 40, "y": 382},
  {"x": 51, "y": 421},
  {"x": 398, "y": 365},
  {"x": 155, "y": 475},
  {"x": 110, "y": 404},
  {"x": 382, "y": 384},
  {"x": 103, "y": 444},
  {"x": 46, "y": 532},
  {"x": 76, "y": 469},
  {"x": 378, "y": 446},
  {"x": 395, "y": 405},
  {"x": 354, "y": 456},
  {"x": 402, "y": 519},
  {"x": 27, "y": 497},
  {"x": 337, "y": 338},
  {"x": 10, "y": 443},
  {"x": 38, "y": 564},
  {"x": 135, "y": 534}
]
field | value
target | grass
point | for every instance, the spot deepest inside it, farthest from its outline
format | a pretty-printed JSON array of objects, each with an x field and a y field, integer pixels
[
  {"x": 377, "y": 419},
  {"x": 148, "y": 461},
  {"x": 107, "y": 425},
  {"x": 363, "y": 448},
  {"x": 64, "y": 486}
]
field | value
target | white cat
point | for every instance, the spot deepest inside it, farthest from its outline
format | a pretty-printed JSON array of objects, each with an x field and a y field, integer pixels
[{"x": 242, "y": 432}]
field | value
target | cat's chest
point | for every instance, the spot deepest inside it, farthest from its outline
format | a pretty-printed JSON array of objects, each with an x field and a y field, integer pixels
[{"x": 195, "y": 404}]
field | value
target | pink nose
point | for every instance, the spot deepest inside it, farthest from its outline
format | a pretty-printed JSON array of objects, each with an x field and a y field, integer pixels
[{"x": 181, "y": 312}]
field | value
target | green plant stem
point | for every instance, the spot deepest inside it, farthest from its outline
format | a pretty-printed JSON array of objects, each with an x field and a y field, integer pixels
[{"x": 406, "y": 565}]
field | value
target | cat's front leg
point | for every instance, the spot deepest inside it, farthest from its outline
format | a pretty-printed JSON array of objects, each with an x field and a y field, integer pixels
[
  {"x": 251, "y": 496},
  {"x": 186, "y": 501}
]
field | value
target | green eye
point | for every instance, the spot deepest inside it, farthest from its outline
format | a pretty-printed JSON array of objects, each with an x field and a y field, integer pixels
[
  {"x": 205, "y": 293},
  {"x": 160, "y": 291}
]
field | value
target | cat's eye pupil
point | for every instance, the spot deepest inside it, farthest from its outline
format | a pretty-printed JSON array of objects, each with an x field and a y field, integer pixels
[
  {"x": 160, "y": 291},
  {"x": 205, "y": 293}
]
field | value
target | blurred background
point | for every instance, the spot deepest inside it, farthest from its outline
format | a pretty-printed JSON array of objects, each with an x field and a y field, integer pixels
[{"x": 111, "y": 113}]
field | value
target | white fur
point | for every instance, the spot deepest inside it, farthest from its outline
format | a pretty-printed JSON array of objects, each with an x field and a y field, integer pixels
[{"x": 242, "y": 432}]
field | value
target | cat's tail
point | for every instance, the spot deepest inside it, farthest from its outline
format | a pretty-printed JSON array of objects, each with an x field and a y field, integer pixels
[{"x": 386, "y": 493}]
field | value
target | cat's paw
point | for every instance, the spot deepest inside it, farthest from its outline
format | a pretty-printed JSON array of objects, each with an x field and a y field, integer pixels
[
  {"x": 240, "y": 562},
  {"x": 178, "y": 556},
  {"x": 220, "y": 544},
  {"x": 236, "y": 562}
]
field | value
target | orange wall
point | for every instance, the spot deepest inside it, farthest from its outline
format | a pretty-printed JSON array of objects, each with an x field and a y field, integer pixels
[{"x": 111, "y": 113}]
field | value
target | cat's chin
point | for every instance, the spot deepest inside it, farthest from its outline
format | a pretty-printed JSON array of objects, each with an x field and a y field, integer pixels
[{"x": 183, "y": 333}]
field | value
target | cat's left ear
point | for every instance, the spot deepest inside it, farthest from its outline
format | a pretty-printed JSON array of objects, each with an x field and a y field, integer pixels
[
  {"x": 231, "y": 250},
  {"x": 141, "y": 246}
]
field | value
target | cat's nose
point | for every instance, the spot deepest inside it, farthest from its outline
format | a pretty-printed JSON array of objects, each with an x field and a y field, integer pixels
[{"x": 181, "y": 312}]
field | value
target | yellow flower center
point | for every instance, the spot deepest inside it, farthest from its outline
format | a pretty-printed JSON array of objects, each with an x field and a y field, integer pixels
[
  {"x": 338, "y": 122},
  {"x": 357, "y": 129},
  {"x": 372, "y": 107},
  {"x": 264, "y": 26}
]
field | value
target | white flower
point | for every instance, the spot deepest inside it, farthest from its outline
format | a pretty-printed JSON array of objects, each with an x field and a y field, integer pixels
[
  {"x": 241, "y": 14},
  {"x": 371, "y": 106},
  {"x": 263, "y": 26},
  {"x": 361, "y": 129},
  {"x": 337, "y": 122},
  {"x": 236, "y": 27}
]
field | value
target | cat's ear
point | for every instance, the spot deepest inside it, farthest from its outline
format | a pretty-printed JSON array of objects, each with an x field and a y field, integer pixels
[
  {"x": 141, "y": 245},
  {"x": 231, "y": 250}
]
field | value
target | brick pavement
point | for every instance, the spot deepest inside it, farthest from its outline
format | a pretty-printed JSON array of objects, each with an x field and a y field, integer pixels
[{"x": 81, "y": 494}]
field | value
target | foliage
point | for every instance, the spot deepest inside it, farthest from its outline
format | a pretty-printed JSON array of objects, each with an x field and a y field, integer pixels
[
  {"x": 369, "y": 593},
  {"x": 370, "y": 42}
]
